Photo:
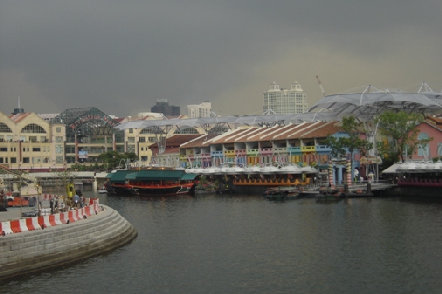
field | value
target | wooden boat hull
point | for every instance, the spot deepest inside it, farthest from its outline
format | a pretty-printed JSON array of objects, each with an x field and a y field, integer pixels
[{"x": 158, "y": 190}]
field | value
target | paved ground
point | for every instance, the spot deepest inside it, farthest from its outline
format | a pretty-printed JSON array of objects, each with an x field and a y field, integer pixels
[
  {"x": 13, "y": 213},
  {"x": 16, "y": 212}
]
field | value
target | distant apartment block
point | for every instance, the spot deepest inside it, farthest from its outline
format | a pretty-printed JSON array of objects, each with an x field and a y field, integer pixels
[
  {"x": 285, "y": 101},
  {"x": 163, "y": 107},
  {"x": 199, "y": 110}
]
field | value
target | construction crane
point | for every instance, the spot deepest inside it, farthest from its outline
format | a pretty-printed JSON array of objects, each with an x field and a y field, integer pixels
[{"x": 320, "y": 86}]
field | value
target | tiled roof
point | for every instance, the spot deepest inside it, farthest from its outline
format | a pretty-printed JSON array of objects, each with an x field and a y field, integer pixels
[
  {"x": 19, "y": 116},
  {"x": 201, "y": 141},
  {"x": 177, "y": 140},
  {"x": 254, "y": 134}
]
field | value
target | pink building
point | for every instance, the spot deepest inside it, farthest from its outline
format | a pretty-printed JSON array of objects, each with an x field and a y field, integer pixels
[{"x": 431, "y": 128}]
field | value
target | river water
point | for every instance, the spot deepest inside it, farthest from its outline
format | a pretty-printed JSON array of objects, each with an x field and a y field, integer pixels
[{"x": 247, "y": 244}]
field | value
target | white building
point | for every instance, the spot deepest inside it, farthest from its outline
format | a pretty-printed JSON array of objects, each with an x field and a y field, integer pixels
[
  {"x": 200, "y": 110},
  {"x": 285, "y": 101}
]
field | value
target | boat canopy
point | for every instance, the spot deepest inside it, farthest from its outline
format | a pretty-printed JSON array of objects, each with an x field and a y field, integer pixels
[
  {"x": 414, "y": 167},
  {"x": 156, "y": 175},
  {"x": 188, "y": 177},
  {"x": 119, "y": 176}
]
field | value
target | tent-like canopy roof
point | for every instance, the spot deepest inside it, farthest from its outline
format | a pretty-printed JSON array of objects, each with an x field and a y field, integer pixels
[
  {"x": 252, "y": 120},
  {"x": 363, "y": 105},
  {"x": 367, "y": 104}
]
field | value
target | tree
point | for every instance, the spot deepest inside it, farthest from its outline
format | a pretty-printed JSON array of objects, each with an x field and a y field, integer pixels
[
  {"x": 352, "y": 140},
  {"x": 113, "y": 159},
  {"x": 401, "y": 130}
]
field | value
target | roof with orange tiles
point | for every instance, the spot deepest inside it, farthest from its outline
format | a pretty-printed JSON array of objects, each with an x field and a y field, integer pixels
[
  {"x": 435, "y": 120},
  {"x": 201, "y": 141},
  {"x": 176, "y": 140},
  {"x": 236, "y": 135},
  {"x": 275, "y": 133},
  {"x": 19, "y": 116}
]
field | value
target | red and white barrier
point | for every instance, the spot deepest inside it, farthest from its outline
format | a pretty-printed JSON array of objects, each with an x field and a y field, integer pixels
[
  {"x": 5, "y": 227},
  {"x": 44, "y": 221}
]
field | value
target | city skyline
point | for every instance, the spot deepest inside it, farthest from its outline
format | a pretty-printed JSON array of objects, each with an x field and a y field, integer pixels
[{"x": 122, "y": 57}]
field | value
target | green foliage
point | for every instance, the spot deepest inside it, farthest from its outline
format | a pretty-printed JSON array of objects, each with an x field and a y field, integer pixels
[
  {"x": 401, "y": 130},
  {"x": 352, "y": 142},
  {"x": 113, "y": 159}
]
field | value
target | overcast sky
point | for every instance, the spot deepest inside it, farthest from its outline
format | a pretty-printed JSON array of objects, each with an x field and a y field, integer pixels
[{"x": 121, "y": 56}]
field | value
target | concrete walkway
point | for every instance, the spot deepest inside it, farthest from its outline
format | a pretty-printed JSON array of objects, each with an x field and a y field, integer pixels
[{"x": 15, "y": 212}]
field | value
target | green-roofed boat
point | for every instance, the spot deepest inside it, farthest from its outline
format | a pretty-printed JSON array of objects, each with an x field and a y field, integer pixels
[
  {"x": 152, "y": 182},
  {"x": 117, "y": 183}
]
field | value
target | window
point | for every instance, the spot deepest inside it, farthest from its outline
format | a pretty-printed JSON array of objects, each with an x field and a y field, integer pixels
[
  {"x": 131, "y": 148},
  {"x": 4, "y": 128},
  {"x": 25, "y": 159},
  {"x": 131, "y": 139},
  {"x": 439, "y": 149},
  {"x": 423, "y": 149},
  {"x": 36, "y": 149},
  {"x": 142, "y": 139},
  {"x": 13, "y": 160},
  {"x": 59, "y": 149},
  {"x": 3, "y": 149},
  {"x": 131, "y": 131},
  {"x": 33, "y": 128},
  {"x": 59, "y": 139},
  {"x": 59, "y": 159},
  {"x": 186, "y": 131},
  {"x": 58, "y": 129}
]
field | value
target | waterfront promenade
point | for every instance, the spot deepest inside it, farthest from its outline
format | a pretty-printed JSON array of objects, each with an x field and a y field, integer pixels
[{"x": 102, "y": 230}]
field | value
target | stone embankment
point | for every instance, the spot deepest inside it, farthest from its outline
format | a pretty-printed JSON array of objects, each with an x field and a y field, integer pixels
[{"x": 54, "y": 246}]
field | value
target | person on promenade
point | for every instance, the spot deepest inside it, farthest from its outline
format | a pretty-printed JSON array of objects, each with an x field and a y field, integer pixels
[
  {"x": 76, "y": 200},
  {"x": 356, "y": 175}
]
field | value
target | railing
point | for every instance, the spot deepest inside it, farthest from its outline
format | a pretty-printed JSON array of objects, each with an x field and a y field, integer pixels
[
  {"x": 294, "y": 150},
  {"x": 323, "y": 148},
  {"x": 240, "y": 152},
  {"x": 216, "y": 153},
  {"x": 230, "y": 153},
  {"x": 266, "y": 151},
  {"x": 308, "y": 148},
  {"x": 252, "y": 152}
]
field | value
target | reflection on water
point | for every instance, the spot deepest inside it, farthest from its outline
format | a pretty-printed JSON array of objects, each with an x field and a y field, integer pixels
[{"x": 246, "y": 244}]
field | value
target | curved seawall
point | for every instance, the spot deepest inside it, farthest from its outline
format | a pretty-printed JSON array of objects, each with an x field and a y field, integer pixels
[{"x": 31, "y": 251}]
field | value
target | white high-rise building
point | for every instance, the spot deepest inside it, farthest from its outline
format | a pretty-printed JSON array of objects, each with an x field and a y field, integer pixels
[
  {"x": 285, "y": 101},
  {"x": 199, "y": 110}
]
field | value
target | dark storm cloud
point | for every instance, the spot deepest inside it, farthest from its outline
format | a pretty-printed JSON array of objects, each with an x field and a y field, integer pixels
[{"x": 123, "y": 55}]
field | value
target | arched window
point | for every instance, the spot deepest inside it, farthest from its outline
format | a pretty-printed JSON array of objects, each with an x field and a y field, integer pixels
[
  {"x": 186, "y": 131},
  {"x": 34, "y": 129},
  {"x": 423, "y": 149},
  {"x": 4, "y": 128},
  {"x": 151, "y": 130}
]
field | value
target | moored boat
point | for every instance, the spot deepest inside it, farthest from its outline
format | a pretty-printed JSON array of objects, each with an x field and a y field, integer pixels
[
  {"x": 117, "y": 184},
  {"x": 416, "y": 178},
  {"x": 154, "y": 182},
  {"x": 282, "y": 193}
]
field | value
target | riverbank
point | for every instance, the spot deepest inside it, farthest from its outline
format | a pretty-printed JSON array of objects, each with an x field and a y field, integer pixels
[{"x": 26, "y": 252}]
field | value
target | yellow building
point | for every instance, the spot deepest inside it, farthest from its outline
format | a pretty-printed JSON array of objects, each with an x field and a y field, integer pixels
[{"x": 29, "y": 142}]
